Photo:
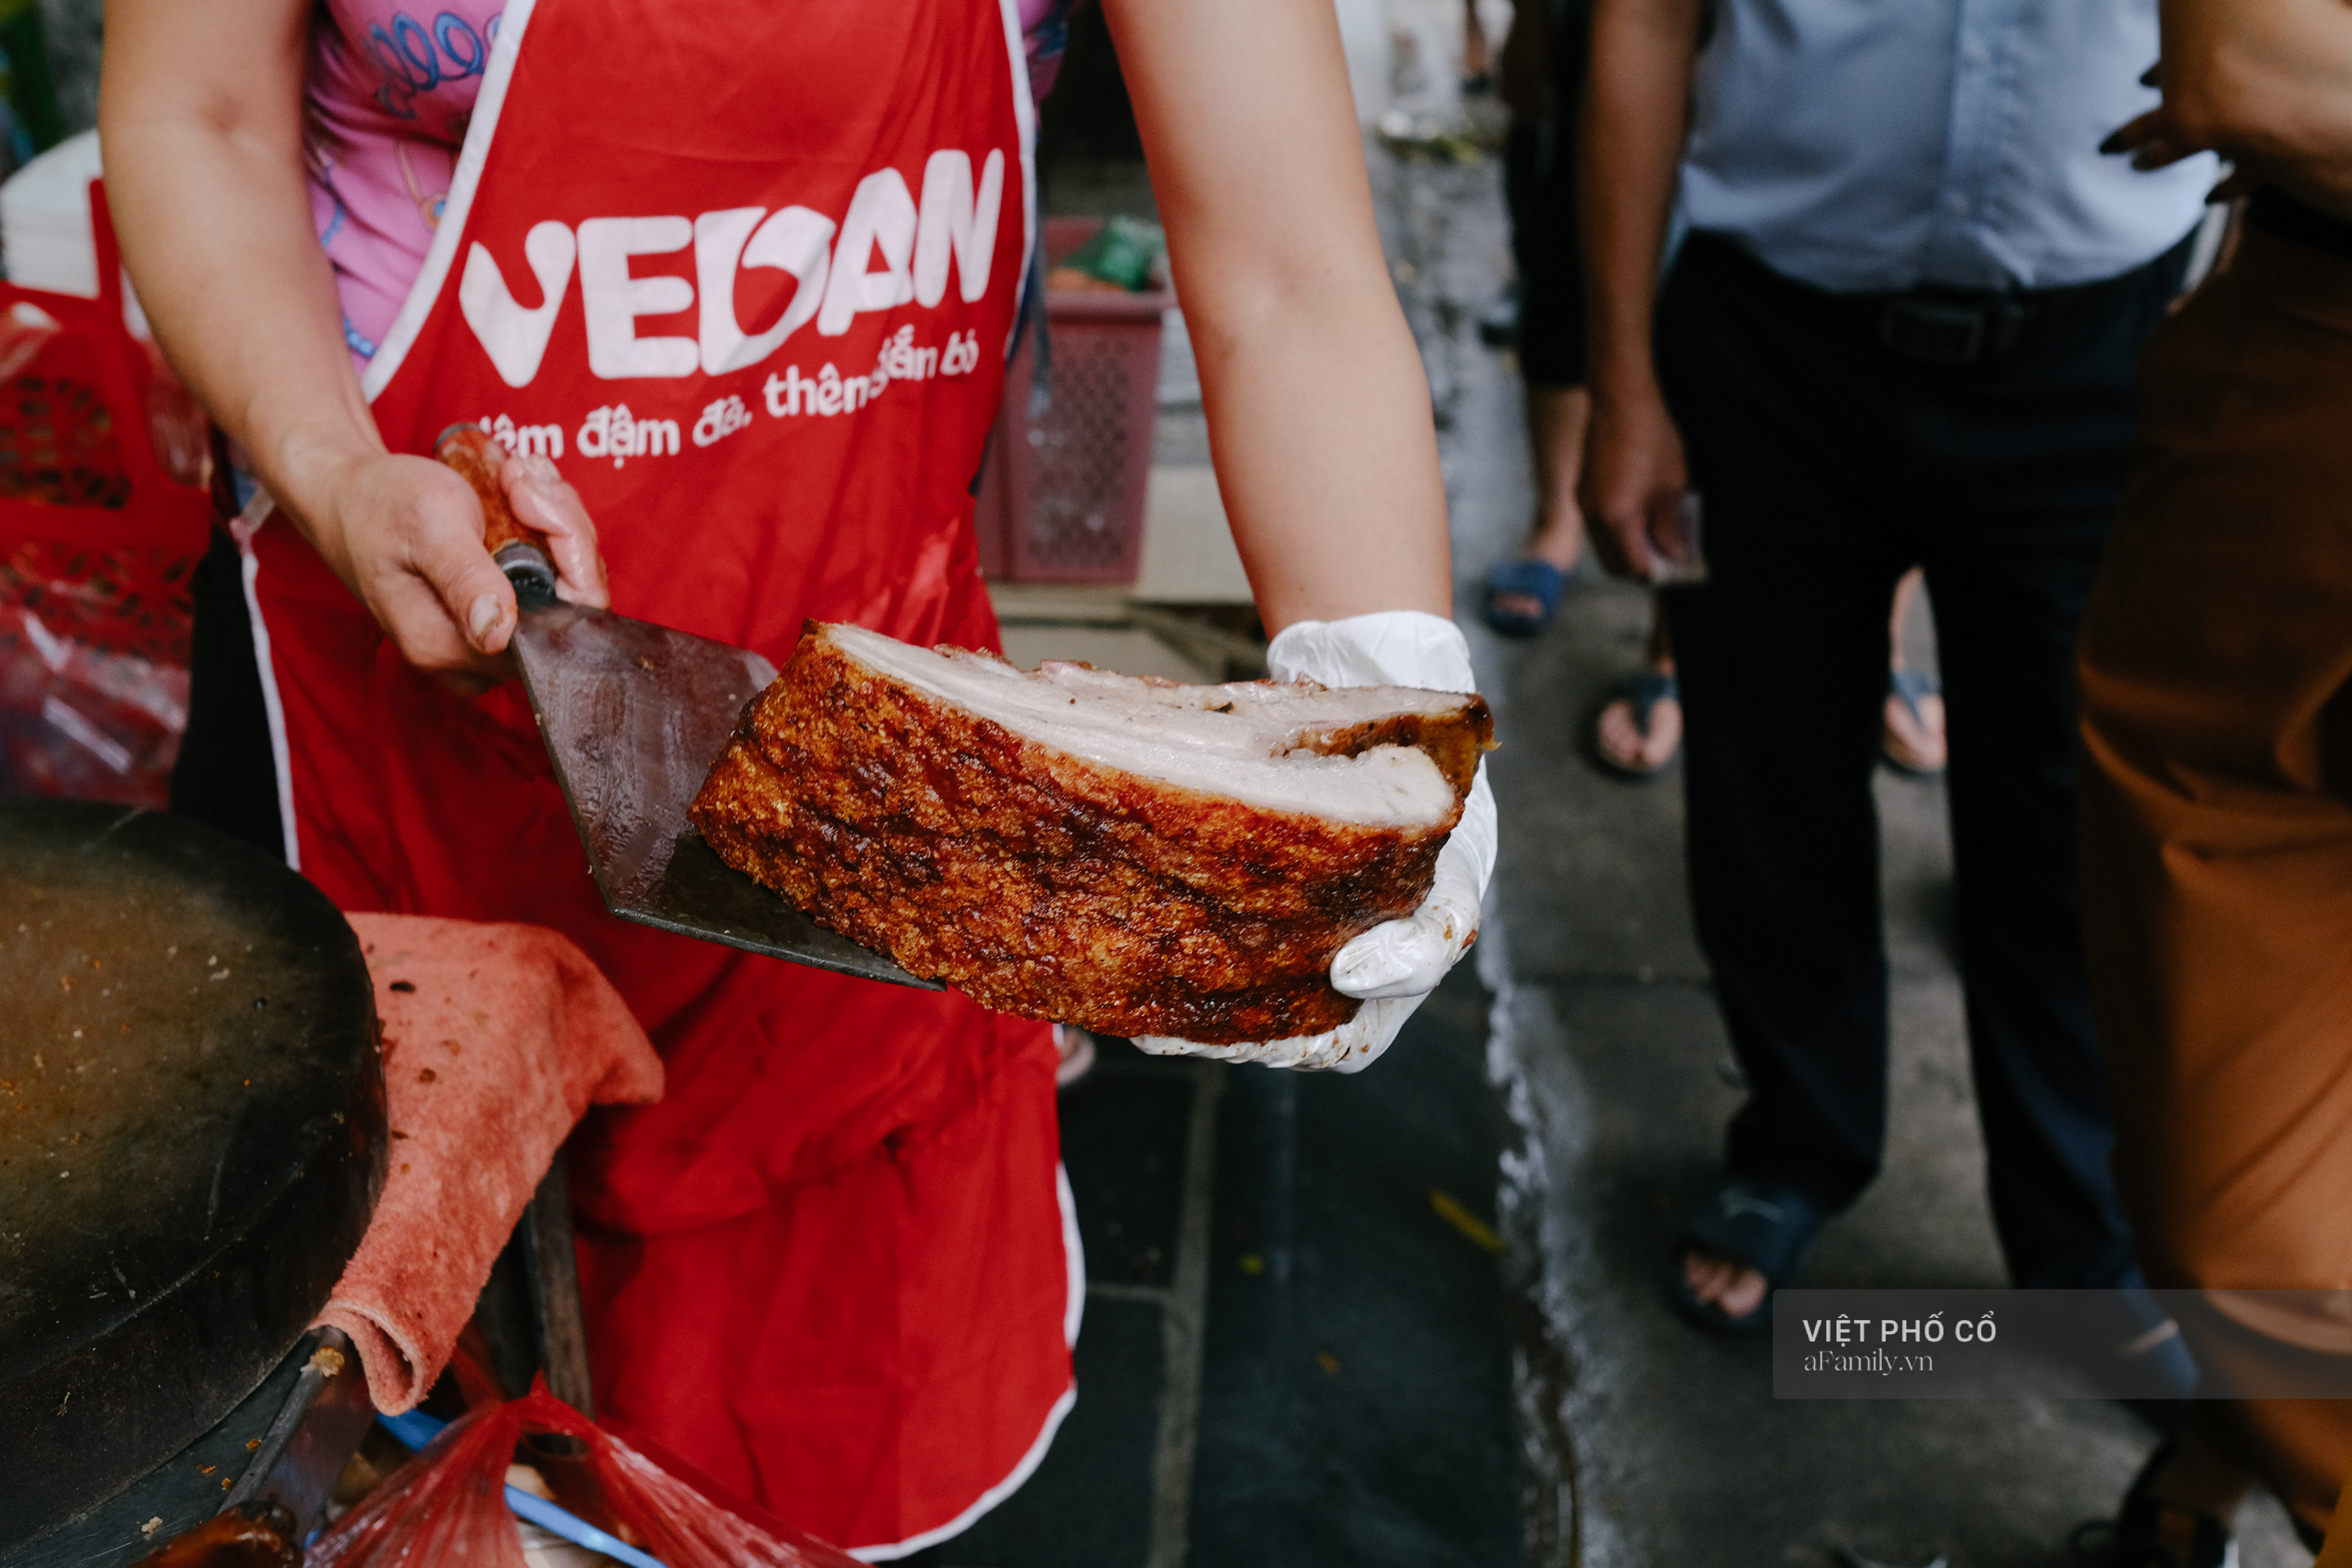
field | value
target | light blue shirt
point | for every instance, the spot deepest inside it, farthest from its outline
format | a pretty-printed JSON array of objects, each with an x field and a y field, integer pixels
[{"x": 1874, "y": 145}]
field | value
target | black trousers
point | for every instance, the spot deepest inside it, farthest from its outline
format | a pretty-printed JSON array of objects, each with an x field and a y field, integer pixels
[
  {"x": 1829, "y": 466},
  {"x": 1540, "y": 193}
]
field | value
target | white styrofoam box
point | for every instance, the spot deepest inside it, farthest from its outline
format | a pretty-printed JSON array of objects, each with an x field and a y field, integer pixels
[
  {"x": 45, "y": 219},
  {"x": 45, "y": 229}
]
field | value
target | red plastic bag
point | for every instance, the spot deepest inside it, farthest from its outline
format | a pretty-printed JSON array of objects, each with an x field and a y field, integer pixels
[
  {"x": 448, "y": 1503},
  {"x": 103, "y": 511},
  {"x": 93, "y": 671}
]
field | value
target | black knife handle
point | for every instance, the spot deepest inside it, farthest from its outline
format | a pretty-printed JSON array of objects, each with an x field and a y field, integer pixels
[{"x": 520, "y": 550}]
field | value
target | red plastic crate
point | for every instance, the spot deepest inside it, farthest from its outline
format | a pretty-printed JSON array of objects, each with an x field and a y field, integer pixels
[{"x": 1062, "y": 499}]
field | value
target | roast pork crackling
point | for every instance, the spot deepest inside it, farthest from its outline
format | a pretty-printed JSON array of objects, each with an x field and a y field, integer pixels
[{"x": 1126, "y": 855}]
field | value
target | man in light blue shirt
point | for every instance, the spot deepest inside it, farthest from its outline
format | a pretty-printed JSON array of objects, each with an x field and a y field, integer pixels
[
  {"x": 1867, "y": 148},
  {"x": 1902, "y": 332}
]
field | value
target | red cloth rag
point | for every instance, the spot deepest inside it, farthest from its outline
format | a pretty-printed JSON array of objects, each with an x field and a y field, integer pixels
[{"x": 496, "y": 1039}]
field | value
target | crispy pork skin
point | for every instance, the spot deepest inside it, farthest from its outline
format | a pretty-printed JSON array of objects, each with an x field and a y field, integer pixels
[{"x": 1130, "y": 856}]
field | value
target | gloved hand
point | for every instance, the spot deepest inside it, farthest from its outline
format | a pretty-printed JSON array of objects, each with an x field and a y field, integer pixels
[{"x": 1394, "y": 966}]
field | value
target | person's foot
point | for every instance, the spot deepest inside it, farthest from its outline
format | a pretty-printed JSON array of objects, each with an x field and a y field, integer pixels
[
  {"x": 1641, "y": 729},
  {"x": 1914, "y": 739},
  {"x": 1532, "y": 611},
  {"x": 1477, "y": 60},
  {"x": 1731, "y": 1287},
  {"x": 1745, "y": 1237}
]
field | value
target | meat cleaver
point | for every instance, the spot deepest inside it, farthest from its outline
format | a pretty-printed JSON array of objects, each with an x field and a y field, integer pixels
[{"x": 634, "y": 714}]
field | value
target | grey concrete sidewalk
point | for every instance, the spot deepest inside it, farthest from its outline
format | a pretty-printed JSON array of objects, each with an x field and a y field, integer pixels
[{"x": 1607, "y": 1044}]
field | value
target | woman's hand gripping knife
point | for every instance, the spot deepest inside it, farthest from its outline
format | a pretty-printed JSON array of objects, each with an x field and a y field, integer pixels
[
  {"x": 517, "y": 496},
  {"x": 415, "y": 539},
  {"x": 1392, "y": 966}
]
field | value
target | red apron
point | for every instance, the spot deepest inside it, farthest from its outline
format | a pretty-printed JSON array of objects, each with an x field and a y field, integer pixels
[{"x": 747, "y": 273}]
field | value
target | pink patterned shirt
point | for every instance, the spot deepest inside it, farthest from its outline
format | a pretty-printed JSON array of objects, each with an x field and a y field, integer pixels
[{"x": 390, "y": 94}]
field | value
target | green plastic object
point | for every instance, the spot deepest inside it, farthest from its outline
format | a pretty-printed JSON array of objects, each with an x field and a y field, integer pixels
[
  {"x": 1121, "y": 252},
  {"x": 28, "y": 98}
]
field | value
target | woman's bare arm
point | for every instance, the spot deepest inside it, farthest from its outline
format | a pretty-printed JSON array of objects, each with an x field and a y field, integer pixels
[
  {"x": 1319, "y": 410},
  {"x": 2268, "y": 85},
  {"x": 201, "y": 110}
]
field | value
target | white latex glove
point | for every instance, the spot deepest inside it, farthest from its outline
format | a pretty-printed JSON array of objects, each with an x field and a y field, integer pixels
[{"x": 1391, "y": 966}]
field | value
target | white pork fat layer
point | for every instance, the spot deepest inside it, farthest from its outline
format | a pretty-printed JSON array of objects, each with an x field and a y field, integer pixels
[{"x": 1239, "y": 740}]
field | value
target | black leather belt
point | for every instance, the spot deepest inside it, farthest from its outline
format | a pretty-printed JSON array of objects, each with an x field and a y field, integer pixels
[
  {"x": 1957, "y": 329},
  {"x": 1947, "y": 327},
  {"x": 1936, "y": 329}
]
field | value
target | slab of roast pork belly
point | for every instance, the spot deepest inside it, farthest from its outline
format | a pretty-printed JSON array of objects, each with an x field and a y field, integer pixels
[{"x": 1126, "y": 855}]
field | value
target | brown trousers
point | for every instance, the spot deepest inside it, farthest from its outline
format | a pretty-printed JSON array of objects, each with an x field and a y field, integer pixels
[{"x": 2217, "y": 833}]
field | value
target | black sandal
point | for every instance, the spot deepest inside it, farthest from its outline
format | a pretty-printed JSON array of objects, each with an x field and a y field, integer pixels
[
  {"x": 1642, "y": 691},
  {"x": 2148, "y": 1533},
  {"x": 1761, "y": 1225}
]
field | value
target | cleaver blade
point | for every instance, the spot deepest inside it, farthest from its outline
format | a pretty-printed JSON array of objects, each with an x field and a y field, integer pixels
[{"x": 634, "y": 715}]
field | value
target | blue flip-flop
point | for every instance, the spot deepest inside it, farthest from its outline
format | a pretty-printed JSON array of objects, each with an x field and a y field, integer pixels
[
  {"x": 1769, "y": 1227},
  {"x": 1539, "y": 580},
  {"x": 1911, "y": 685}
]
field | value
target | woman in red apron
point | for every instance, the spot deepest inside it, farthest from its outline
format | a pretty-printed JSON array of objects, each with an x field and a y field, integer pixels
[{"x": 745, "y": 274}]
